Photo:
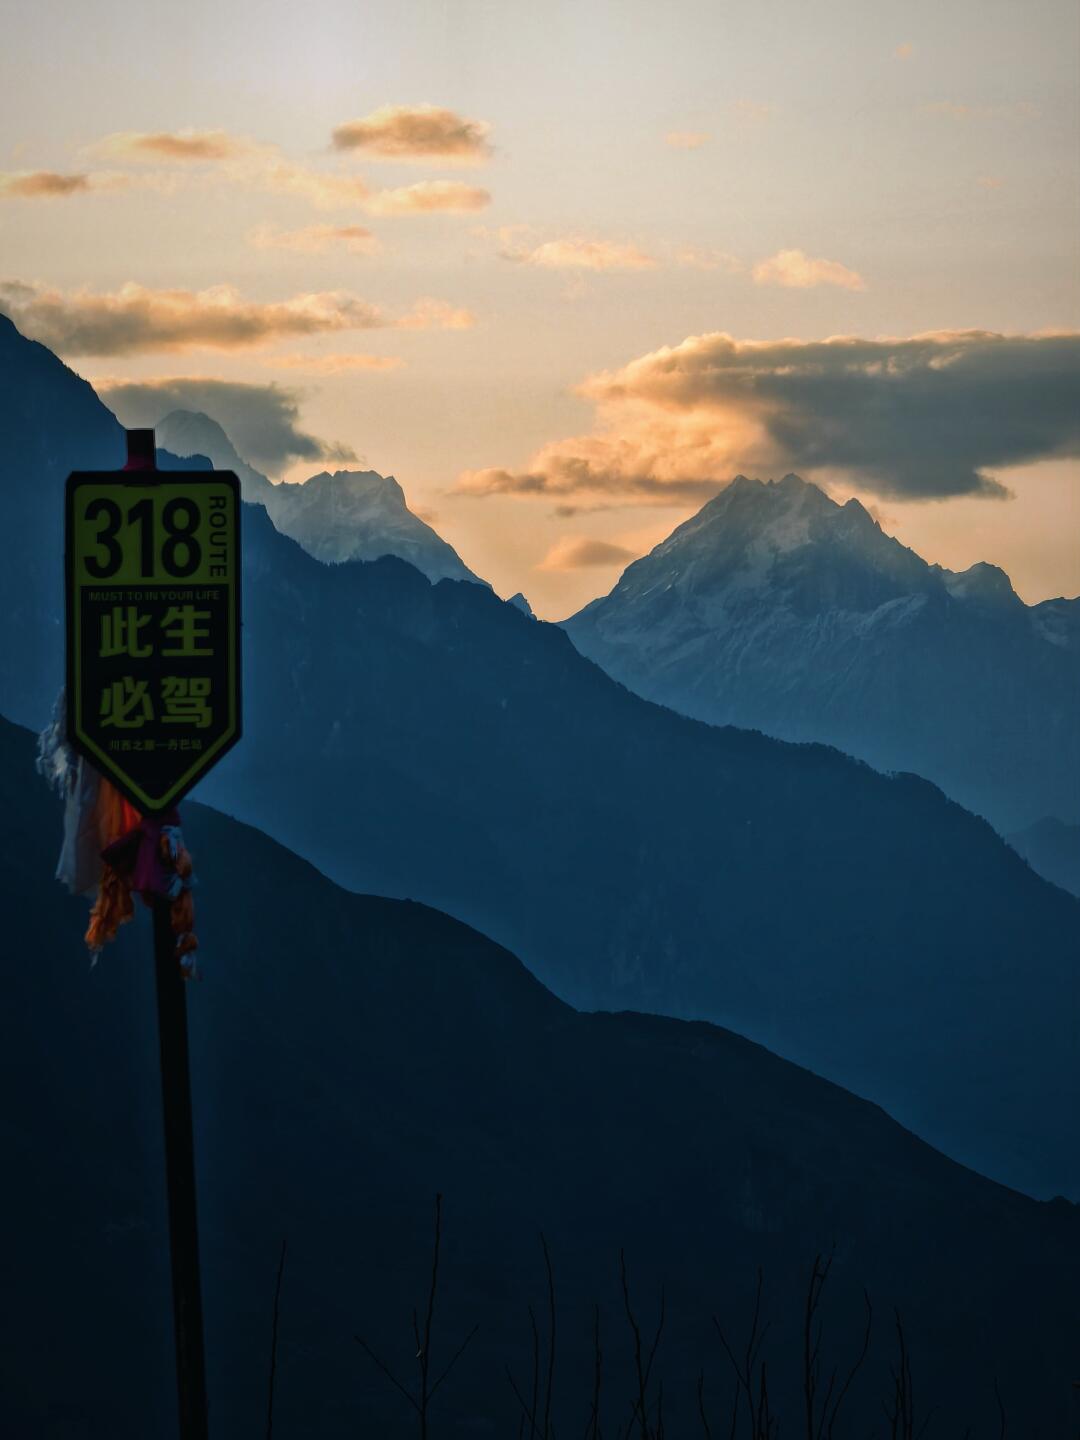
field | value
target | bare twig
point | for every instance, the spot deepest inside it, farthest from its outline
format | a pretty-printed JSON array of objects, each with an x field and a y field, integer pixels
[
  {"x": 643, "y": 1370},
  {"x": 422, "y": 1340},
  {"x": 274, "y": 1344},
  {"x": 701, "y": 1405},
  {"x": 551, "y": 1336}
]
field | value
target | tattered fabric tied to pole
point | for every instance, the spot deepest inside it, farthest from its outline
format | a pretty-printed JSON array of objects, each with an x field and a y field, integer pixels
[{"x": 111, "y": 852}]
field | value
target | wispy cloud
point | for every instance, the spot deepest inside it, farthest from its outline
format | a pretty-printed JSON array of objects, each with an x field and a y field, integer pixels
[
  {"x": 416, "y": 133},
  {"x": 314, "y": 239},
  {"x": 332, "y": 364},
  {"x": 326, "y": 189},
  {"x": 428, "y": 197},
  {"x": 696, "y": 257},
  {"x": 749, "y": 114},
  {"x": 185, "y": 147},
  {"x": 582, "y": 252},
  {"x": 429, "y": 314},
  {"x": 54, "y": 185},
  {"x": 687, "y": 139},
  {"x": 930, "y": 416},
  {"x": 904, "y": 51},
  {"x": 136, "y": 319},
  {"x": 795, "y": 270},
  {"x": 574, "y": 253},
  {"x": 578, "y": 552}
]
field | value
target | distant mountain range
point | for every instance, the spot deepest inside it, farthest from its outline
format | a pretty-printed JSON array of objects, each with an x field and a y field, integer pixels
[
  {"x": 776, "y": 609},
  {"x": 353, "y": 1055},
  {"x": 350, "y": 515},
  {"x": 431, "y": 741}
]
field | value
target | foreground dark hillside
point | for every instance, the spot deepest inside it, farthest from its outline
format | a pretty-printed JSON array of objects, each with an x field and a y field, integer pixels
[{"x": 352, "y": 1055}]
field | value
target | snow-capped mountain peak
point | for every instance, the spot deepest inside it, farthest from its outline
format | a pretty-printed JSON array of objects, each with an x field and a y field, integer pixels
[
  {"x": 776, "y": 608},
  {"x": 347, "y": 515}
]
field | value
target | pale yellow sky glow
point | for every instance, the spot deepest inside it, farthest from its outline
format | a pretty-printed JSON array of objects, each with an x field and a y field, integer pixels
[{"x": 695, "y": 201}]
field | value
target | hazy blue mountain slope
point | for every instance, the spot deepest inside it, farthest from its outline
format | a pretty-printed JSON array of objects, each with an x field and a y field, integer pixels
[
  {"x": 51, "y": 422},
  {"x": 777, "y": 609},
  {"x": 1053, "y": 849},
  {"x": 430, "y": 741},
  {"x": 352, "y": 1055},
  {"x": 350, "y": 515}
]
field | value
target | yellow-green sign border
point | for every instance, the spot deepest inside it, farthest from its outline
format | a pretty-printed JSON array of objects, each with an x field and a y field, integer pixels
[{"x": 102, "y": 761}]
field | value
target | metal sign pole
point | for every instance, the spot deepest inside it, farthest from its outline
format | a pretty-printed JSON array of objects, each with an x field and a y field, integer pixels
[
  {"x": 180, "y": 1179},
  {"x": 179, "y": 1135}
]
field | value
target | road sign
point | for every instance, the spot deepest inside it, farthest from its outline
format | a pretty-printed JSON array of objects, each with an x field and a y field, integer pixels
[{"x": 153, "y": 626}]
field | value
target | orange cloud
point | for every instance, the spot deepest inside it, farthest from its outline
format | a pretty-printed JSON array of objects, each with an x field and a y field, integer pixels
[
  {"x": 333, "y": 364},
  {"x": 751, "y": 112},
  {"x": 42, "y": 185},
  {"x": 185, "y": 146},
  {"x": 578, "y": 552},
  {"x": 687, "y": 139},
  {"x": 414, "y": 133},
  {"x": 698, "y": 259},
  {"x": 428, "y": 314},
  {"x": 904, "y": 52},
  {"x": 795, "y": 270},
  {"x": 575, "y": 253},
  {"x": 428, "y": 197},
  {"x": 930, "y": 416},
  {"x": 136, "y": 319},
  {"x": 322, "y": 188},
  {"x": 314, "y": 239}
]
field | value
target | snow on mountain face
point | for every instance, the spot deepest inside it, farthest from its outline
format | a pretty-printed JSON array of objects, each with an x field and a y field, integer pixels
[
  {"x": 777, "y": 609},
  {"x": 188, "y": 432},
  {"x": 350, "y": 515},
  {"x": 361, "y": 515}
]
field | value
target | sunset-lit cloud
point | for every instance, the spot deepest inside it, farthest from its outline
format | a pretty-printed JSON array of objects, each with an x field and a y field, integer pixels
[
  {"x": 920, "y": 418},
  {"x": 904, "y": 51},
  {"x": 416, "y": 133},
  {"x": 314, "y": 239},
  {"x": 262, "y": 421},
  {"x": 580, "y": 253},
  {"x": 429, "y": 314},
  {"x": 796, "y": 271},
  {"x": 331, "y": 190},
  {"x": 751, "y": 113},
  {"x": 325, "y": 189},
  {"x": 181, "y": 146},
  {"x": 428, "y": 197},
  {"x": 578, "y": 552},
  {"x": 41, "y": 184},
  {"x": 575, "y": 253},
  {"x": 697, "y": 258},
  {"x": 687, "y": 139},
  {"x": 56, "y": 185},
  {"x": 332, "y": 364},
  {"x": 136, "y": 319},
  {"x": 990, "y": 182}
]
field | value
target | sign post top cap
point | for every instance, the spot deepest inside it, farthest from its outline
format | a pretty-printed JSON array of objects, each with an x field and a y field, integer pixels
[{"x": 141, "y": 451}]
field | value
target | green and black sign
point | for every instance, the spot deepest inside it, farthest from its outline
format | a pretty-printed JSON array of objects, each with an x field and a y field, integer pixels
[{"x": 153, "y": 626}]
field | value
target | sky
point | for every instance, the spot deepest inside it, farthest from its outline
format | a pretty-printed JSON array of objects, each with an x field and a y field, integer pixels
[{"x": 564, "y": 270}]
